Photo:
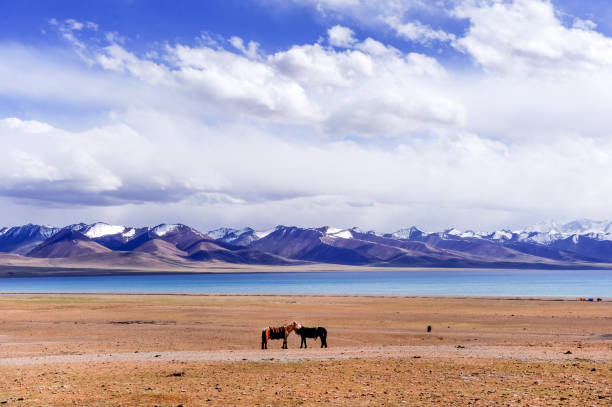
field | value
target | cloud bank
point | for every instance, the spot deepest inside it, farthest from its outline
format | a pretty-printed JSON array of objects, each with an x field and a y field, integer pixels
[{"x": 344, "y": 130}]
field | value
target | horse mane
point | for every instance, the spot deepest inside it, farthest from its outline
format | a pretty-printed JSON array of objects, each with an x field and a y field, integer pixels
[{"x": 292, "y": 326}]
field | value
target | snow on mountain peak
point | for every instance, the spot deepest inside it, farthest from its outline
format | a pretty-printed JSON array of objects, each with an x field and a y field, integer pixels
[
  {"x": 163, "y": 229},
  {"x": 502, "y": 235},
  {"x": 584, "y": 226},
  {"x": 101, "y": 229},
  {"x": 547, "y": 232},
  {"x": 543, "y": 227},
  {"x": 129, "y": 233},
  {"x": 471, "y": 234},
  {"x": 222, "y": 233},
  {"x": 462, "y": 234},
  {"x": 453, "y": 232},
  {"x": 406, "y": 233},
  {"x": 344, "y": 234},
  {"x": 264, "y": 233},
  {"x": 331, "y": 231}
]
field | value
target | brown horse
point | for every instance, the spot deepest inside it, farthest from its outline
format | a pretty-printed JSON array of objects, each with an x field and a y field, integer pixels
[{"x": 281, "y": 332}]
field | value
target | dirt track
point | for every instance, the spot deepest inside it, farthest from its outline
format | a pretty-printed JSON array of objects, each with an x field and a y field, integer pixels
[{"x": 551, "y": 354}]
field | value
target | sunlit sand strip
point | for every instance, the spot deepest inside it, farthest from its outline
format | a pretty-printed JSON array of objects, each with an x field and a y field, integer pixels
[{"x": 294, "y": 355}]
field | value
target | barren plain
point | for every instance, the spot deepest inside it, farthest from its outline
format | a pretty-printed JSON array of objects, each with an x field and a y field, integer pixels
[{"x": 189, "y": 350}]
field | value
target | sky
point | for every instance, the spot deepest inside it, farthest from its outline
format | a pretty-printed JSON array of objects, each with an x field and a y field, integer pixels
[{"x": 382, "y": 114}]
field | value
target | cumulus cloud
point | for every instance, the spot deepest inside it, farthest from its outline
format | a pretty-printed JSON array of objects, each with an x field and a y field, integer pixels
[
  {"x": 526, "y": 37},
  {"x": 295, "y": 86},
  {"x": 250, "y": 50},
  {"x": 345, "y": 131},
  {"x": 340, "y": 36}
]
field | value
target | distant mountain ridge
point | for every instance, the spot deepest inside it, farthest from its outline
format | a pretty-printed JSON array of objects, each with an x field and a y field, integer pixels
[{"x": 576, "y": 244}]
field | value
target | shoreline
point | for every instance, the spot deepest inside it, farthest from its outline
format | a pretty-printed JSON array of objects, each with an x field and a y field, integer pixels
[
  {"x": 26, "y": 271},
  {"x": 308, "y": 295}
]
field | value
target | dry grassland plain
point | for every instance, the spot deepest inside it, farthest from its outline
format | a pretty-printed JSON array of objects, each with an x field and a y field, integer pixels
[{"x": 196, "y": 350}]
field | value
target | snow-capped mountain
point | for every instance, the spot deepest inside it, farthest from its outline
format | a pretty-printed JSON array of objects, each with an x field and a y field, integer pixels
[
  {"x": 240, "y": 237},
  {"x": 579, "y": 227},
  {"x": 580, "y": 243},
  {"x": 225, "y": 234},
  {"x": 407, "y": 233},
  {"x": 98, "y": 229},
  {"x": 21, "y": 239}
]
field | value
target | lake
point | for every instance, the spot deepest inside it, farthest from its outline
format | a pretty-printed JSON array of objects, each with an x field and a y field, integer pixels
[{"x": 555, "y": 283}]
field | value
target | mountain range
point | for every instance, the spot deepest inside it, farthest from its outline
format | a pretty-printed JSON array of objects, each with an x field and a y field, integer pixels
[{"x": 577, "y": 244}]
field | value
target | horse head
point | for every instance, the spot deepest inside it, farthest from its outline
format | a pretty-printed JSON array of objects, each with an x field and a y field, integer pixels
[{"x": 295, "y": 325}]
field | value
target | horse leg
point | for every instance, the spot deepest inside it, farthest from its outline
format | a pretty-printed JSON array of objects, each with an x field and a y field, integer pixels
[
  {"x": 264, "y": 342},
  {"x": 302, "y": 342},
  {"x": 284, "y": 343}
]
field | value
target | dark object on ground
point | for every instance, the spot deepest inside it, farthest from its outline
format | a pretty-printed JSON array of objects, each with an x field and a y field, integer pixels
[
  {"x": 599, "y": 300},
  {"x": 568, "y": 352},
  {"x": 460, "y": 347},
  {"x": 318, "y": 332},
  {"x": 428, "y": 328}
]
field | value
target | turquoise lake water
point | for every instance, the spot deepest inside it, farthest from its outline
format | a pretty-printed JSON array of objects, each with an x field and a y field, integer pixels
[{"x": 555, "y": 283}]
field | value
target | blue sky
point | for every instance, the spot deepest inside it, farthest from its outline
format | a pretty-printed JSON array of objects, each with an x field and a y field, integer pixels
[
  {"x": 273, "y": 24},
  {"x": 148, "y": 22},
  {"x": 382, "y": 114}
]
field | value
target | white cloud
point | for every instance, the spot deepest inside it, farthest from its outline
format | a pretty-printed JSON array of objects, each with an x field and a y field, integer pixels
[
  {"x": 295, "y": 86},
  {"x": 526, "y": 37},
  {"x": 416, "y": 31},
  {"x": 317, "y": 133},
  {"x": 74, "y": 25},
  {"x": 366, "y": 11},
  {"x": 237, "y": 170},
  {"x": 91, "y": 25},
  {"x": 340, "y": 36},
  {"x": 251, "y": 50},
  {"x": 30, "y": 126},
  {"x": 116, "y": 58},
  {"x": 399, "y": 15}
]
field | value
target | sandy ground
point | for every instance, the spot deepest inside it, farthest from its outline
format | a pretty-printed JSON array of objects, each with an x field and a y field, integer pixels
[{"x": 169, "y": 350}]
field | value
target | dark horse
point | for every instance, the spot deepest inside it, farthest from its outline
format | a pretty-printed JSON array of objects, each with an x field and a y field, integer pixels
[
  {"x": 318, "y": 332},
  {"x": 282, "y": 332}
]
